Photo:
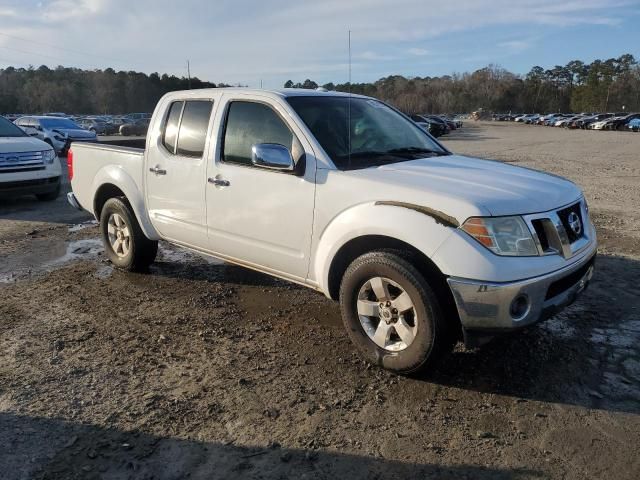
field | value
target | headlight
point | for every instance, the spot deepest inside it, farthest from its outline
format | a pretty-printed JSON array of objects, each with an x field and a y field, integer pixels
[
  {"x": 59, "y": 138},
  {"x": 49, "y": 156},
  {"x": 507, "y": 236}
]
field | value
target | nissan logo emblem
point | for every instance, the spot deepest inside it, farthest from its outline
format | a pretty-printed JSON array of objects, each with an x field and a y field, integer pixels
[{"x": 574, "y": 222}]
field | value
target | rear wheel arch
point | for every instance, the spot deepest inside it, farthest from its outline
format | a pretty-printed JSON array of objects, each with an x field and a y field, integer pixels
[
  {"x": 104, "y": 193},
  {"x": 427, "y": 268}
]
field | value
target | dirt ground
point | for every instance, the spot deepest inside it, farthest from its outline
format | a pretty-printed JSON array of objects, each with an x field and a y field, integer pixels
[{"x": 205, "y": 370}]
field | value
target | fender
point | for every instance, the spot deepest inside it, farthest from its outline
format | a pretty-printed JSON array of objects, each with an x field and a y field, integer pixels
[
  {"x": 120, "y": 178},
  {"x": 422, "y": 231}
]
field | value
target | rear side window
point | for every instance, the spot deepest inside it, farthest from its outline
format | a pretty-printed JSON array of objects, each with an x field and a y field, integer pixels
[
  {"x": 193, "y": 128},
  {"x": 170, "y": 132},
  {"x": 249, "y": 123}
]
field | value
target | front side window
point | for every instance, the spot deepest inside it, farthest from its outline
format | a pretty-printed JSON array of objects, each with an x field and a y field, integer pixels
[
  {"x": 251, "y": 123},
  {"x": 363, "y": 132}
]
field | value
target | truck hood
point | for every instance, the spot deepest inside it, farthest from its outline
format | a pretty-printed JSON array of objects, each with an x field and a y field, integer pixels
[
  {"x": 480, "y": 185},
  {"x": 21, "y": 144}
]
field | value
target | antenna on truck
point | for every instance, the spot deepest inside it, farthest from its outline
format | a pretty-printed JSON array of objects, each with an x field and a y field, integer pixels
[{"x": 349, "y": 102}]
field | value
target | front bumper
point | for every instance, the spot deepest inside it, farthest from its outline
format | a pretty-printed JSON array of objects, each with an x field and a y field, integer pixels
[
  {"x": 487, "y": 307},
  {"x": 35, "y": 186}
]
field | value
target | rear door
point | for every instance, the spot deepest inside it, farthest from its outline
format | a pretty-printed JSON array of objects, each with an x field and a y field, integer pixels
[
  {"x": 175, "y": 172},
  {"x": 256, "y": 216}
]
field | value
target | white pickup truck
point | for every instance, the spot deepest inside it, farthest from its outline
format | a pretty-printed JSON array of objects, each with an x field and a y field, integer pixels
[{"x": 345, "y": 195}]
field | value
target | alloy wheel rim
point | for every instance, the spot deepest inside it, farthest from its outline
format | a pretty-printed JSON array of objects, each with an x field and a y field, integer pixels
[
  {"x": 387, "y": 314},
  {"x": 119, "y": 235}
]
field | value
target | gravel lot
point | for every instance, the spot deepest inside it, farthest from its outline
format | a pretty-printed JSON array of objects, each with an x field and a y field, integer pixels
[{"x": 205, "y": 370}]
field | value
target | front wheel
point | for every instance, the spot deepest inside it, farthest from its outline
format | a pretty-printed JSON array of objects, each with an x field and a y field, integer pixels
[
  {"x": 123, "y": 239},
  {"x": 391, "y": 313}
]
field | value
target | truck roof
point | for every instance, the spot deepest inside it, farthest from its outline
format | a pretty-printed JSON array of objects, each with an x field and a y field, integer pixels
[{"x": 281, "y": 93}]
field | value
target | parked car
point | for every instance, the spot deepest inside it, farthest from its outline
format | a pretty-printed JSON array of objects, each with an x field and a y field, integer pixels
[
  {"x": 28, "y": 166},
  {"x": 423, "y": 123},
  {"x": 136, "y": 127},
  {"x": 56, "y": 131},
  {"x": 634, "y": 125},
  {"x": 97, "y": 126},
  {"x": 138, "y": 116},
  {"x": 620, "y": 122},
  {"x": 565, "y": 122},
  {"x": 444, "y": 126},
  {"x": 587, "y": 121},
  {"x": 418, "y": 245},
  {"x": 532, "y": 119}
]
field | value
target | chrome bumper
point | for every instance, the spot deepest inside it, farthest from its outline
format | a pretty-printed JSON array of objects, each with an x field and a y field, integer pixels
[
  {"x": 489, "y": 307},
  {"x": 73, "y": 201}
]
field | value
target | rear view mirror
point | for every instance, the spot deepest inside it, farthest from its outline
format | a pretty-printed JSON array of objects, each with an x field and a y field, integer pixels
[{"x": 272, "y": 156}]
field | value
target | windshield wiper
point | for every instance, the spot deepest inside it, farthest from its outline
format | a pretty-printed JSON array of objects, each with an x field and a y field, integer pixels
[{"x": 413, "y": 151}]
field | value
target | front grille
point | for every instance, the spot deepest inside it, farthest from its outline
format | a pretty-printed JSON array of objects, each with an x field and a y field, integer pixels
[
  {"x": 553, "y": 232},
  {"x": 19, "y": 169},
  {"x": 20, "y": 162},
  {"x": 538, "y": 226},
  {"x": 565, "y": 283},
  {"x": 564, "y": 218}
]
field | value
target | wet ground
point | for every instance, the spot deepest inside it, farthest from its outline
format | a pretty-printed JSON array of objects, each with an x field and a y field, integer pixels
[{"x": 205, "y": 370}]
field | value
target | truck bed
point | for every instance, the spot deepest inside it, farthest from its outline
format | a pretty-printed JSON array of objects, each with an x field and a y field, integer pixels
[{"x": 95, "y": 163}]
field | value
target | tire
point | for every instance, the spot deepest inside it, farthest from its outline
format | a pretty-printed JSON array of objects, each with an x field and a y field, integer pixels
[
  {"x": 135, "y": 252},
  {"x": 49, "y": 196},
  {"x": 125, "y": 132},
  {"x": 428, "y": 335}
]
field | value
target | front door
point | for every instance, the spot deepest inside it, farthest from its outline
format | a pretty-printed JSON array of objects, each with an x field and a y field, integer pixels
[
  {"x": 176, "y": 173},
  {"x": 257, "y": 216}
]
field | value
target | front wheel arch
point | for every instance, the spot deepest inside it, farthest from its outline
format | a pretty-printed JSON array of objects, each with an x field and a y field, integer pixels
[{"x": 429, "y": 270}]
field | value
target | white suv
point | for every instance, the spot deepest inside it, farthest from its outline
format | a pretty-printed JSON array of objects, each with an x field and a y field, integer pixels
[
  {"x": 27, "y": 165},
  {"x": 56, "y": 131}
]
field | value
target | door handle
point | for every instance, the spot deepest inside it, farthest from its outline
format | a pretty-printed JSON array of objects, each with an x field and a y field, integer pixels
[
  {"x": 157, "y": 170},
  {"x": 219, "y": 182}
]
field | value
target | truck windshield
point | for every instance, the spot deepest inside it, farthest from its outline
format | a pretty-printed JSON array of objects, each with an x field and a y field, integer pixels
[
  {"x": 8, "y": 129},
  {"x": 376, "y": 135},
  {"x": 58, "y": 123}
]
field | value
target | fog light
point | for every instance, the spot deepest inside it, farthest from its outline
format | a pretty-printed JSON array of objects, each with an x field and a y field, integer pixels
[{"x": 519, "y": 307}]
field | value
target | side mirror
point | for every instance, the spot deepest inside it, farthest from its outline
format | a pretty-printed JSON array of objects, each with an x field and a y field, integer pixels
[
  {"x": 272, "y": 156},
  {"x": 39, "y": 128}
]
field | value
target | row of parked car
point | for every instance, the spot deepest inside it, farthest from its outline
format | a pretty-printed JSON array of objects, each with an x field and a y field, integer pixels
[
  {"x": 589, "y": 121},
  {"x": 438, "y": 125},
  {"x": 59, "y": 129},
  {"x": 129, "y": 124}
]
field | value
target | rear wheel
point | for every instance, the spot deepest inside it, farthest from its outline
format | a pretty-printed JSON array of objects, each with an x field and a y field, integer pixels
[
  {"x": 392, "y": 314},
  {"x": 125, "y": 244}
]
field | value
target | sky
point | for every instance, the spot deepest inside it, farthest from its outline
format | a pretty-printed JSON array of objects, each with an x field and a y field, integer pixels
[{"x": 266, "y": 42}]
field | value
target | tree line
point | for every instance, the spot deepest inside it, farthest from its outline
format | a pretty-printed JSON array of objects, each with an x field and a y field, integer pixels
[
  {"x": 602, "y": 85},
  {"x": 72, "y": 90}
]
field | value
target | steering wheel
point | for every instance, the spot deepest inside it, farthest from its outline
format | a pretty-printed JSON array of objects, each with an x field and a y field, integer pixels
[{"x": 373, "y": 143}]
